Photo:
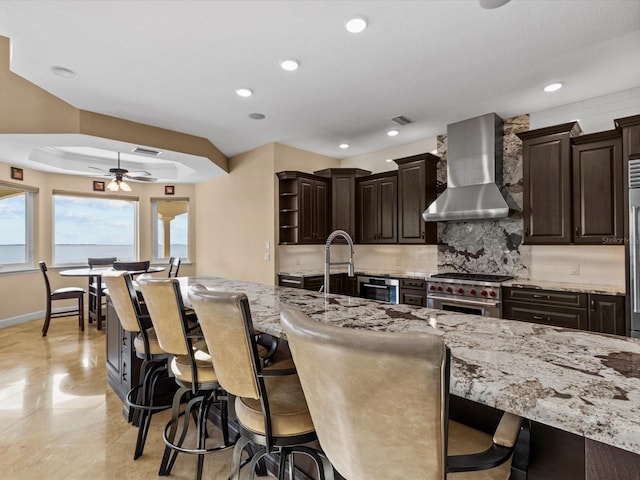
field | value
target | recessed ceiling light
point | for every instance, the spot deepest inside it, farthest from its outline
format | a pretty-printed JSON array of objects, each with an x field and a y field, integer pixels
[
  {"x": 389, "y": 160},
  {"x": 244, "y": 92},
  {"x": 344, "y": 146},
  {"x": 289, "y": 65},
  {"x": 257, "y": 116},
  {"x": 356, "y": 25},
  {"x": 64, "y": 72},
  {"x": 434, "y": 152},
  {"x": 491, "y": 4},
  {"x": 393, "y": 132},
  {"x": 552, "y": 87}
]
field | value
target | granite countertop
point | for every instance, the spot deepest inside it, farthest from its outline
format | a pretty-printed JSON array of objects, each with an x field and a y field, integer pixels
[
  {"x": 566, "y": 287},
  {"x": 515, "y": 283},
  {"x": 584, "y": 383},
  {"x": 368, "y": 273}
]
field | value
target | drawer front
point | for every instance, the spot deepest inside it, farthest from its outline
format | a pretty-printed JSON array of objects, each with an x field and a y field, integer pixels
[
  {"x": 313, "y": 283},
  {"x": 546, "y": 315},
  {"x": 413, "y": 298},
  {"x": 289, "y": 281},
  {"x": 413, "y": 283},
  {"x": 547, "y": 297}
]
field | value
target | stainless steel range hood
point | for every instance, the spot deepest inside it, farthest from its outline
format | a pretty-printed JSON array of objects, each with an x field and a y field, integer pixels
[{"x": 474, "y": 172}]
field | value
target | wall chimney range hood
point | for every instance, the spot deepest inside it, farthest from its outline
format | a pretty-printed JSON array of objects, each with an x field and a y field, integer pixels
[{"x": 474, "y": 172}]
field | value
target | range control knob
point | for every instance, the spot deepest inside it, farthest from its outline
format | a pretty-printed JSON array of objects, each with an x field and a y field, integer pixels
[
  {"x": 439, "y": 288},
  {"x": 432, "y": 287},
  {"x": 483, "y": 293},
  {"x": 449, "y": 289},
  {"x": 460, "y": 291},
  {"x": 472, "y": 292},
  {"x": 492, "y": 294}
]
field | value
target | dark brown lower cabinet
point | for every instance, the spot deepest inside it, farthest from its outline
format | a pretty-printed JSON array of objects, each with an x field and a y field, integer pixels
[
  {"x": 339, "y": 283},
  {"x": 123, "y": 366},
  {"x": 413, "y": 292},
  {"x": 582, "y": 311},
  {"x": 607, "y": 314}
]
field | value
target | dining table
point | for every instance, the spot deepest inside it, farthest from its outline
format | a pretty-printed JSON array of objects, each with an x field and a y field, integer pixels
[{"x": 97, "y": 273}]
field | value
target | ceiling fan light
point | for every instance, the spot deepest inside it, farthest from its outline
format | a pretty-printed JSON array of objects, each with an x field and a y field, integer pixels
[
  {"x": 113, "y": 186},
  {"x": 124, "y": 187}
]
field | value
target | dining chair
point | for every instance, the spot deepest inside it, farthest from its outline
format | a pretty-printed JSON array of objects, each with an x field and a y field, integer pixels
[
  {"x": 142, "y": 266},
  {"x": 192, "y": 369},
  {"x": 133, "y": 318},
  {"x": 96, "y": 289},
  {"x": 174, "y": 267},
  {"x": 367, "y": 433},
  {"x": 64, "y": 293},
  {"x": 270, "y": 405}
]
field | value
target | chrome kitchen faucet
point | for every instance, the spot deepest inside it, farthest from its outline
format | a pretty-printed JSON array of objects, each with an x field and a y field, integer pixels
[{"x": 327, "y": 256}]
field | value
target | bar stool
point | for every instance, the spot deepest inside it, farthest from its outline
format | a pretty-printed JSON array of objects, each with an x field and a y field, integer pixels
[
  {"x": 154, "y": 360},
  {"x": 174, "y": 267},
  {"x": 367, "y": 434},
  {"x": 192, "y": 369},
  {"x": 269, "y": 405},
  {"x": 64, "y": 293}
]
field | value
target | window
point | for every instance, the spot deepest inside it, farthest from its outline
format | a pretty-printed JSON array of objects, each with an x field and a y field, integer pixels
[
  {"x": 87, "y": 226},
  {"x": 16, "y": 227},
  {"x": 170, "y": 228}
]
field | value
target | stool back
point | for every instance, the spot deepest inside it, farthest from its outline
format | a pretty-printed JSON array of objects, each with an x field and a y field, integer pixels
[
  {"x": 132, "y": 266},
  {"x": 101, "y": 262},
  {"x": 43, "y": 269},
  {"x": 174, "y": 267},
  {"x": 378, "y": 400},
  {"x": 124, "y": 299},
  {"x": 163, "y": 300},
  {"x": 226, "y": 324}
]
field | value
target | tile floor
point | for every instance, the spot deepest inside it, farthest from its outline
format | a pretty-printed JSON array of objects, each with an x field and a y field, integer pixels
[{"x": 60, "y": 420}]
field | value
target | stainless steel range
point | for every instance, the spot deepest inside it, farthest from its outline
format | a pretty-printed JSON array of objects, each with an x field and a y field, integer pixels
[{"x": 472, "y": 293}]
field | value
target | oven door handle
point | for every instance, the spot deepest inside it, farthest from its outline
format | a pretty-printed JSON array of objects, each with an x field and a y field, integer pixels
[
  {"x": 461, "y": 301},
  {"x": 386, "y": 287}
]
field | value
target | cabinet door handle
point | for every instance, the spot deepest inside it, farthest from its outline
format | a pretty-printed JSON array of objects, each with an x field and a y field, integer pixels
[
  {"x": 526, "y": 232},
  {"x": 423, "y": 235},
  {"x": 577, "y": 230}
]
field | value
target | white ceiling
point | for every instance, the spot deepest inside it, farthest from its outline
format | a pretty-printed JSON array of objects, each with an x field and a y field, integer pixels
[{"x": 176, "y": 64}]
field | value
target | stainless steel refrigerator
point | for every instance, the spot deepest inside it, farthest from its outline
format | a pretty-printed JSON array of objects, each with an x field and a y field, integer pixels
[{"x": 634, "y": 246}]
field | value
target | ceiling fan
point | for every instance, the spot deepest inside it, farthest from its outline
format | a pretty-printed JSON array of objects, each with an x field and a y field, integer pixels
[{"x": 119, "y": 174}]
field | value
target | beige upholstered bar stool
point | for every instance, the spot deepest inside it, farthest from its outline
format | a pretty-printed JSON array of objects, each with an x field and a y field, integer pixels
[
  {"x": 398, "y": 433},
  {"x": 270, "y": 406},
  {"x": 154, "y": 360},
  {"x": 193, "y": 371}
]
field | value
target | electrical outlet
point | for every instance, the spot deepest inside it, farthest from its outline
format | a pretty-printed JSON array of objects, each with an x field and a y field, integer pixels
[
  {"x": 575, "y": 269},
  {"x": 267, "y": 257}
]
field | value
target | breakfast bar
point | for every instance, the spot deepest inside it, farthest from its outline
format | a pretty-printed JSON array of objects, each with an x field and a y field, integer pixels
[{"x": 578, "y": 382}]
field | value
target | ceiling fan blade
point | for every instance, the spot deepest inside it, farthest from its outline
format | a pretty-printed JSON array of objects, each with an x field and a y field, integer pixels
[
  {"x": 140, "y": 179},
  {"x": 139, "y": 173},
  {"x": 98, "y": 168}
]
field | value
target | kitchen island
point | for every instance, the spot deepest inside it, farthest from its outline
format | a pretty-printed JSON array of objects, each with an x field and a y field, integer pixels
[{"x": 578, "y": 382}]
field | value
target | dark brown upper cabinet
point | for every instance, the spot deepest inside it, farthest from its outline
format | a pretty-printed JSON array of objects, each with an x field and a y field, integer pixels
[
  {"x": 546, "y": 173},
  {"x": 416, "y": 191},
  {"x": 343, "y": 198},
  {"x": 304, "y": 215},
  {"x": 598, "y": 214},
  {"x": 377, "y": 208}
]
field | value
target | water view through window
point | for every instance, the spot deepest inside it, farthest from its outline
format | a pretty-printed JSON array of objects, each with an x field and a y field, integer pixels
[
  {"x": 93, "y": 227},
  {"x": 13, "y": 227}
]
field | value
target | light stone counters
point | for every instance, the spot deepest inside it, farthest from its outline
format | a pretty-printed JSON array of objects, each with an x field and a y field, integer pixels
[
  {"x": 567, "y": 287},
  {"x": 584, "y": 383}
]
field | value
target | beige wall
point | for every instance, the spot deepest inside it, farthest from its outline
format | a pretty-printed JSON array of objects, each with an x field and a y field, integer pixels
[
  {"x": 376, "y": 162},
  {"x": 22, "y": 295},
  {"x": 238, "y": 212}
]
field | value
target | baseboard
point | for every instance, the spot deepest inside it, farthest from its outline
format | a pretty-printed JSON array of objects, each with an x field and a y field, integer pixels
[{"x": 27, "y": 317}]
